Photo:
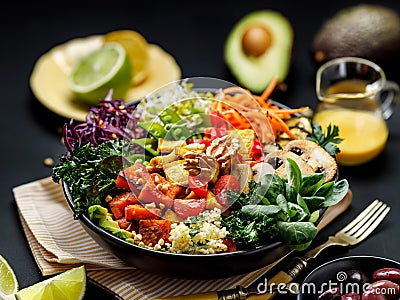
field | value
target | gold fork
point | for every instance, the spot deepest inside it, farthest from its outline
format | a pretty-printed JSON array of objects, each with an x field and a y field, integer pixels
[{"x": 353, "y": 233}]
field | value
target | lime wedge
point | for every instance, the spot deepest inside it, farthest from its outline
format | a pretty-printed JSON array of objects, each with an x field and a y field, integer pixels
[
  {"x": 137, "y": 50},
  {"x": 94, "y": 75},
  {"x": 8, "y": 280},
  {"x": 69, "y": 285}
]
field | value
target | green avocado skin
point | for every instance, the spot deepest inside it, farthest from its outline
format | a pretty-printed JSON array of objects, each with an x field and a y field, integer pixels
[{"x": 370, "y": 31}]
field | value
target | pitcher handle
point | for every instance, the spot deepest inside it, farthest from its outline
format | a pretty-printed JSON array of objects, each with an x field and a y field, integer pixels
[{"x": 389, "y": 102}]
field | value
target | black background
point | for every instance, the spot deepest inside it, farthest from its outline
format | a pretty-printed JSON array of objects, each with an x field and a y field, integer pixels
[{"x": 194, "y": 33}]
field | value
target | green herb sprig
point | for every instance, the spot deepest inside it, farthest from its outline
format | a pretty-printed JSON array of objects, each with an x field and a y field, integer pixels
[{"x": 328, "y": 140}]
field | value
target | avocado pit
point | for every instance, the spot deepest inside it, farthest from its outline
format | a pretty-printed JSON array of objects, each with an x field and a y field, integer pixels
[{"x": 256, "y": 40}]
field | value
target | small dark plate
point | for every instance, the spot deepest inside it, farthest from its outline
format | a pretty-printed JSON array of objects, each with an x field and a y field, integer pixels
[{"x": 332, "y": 273}]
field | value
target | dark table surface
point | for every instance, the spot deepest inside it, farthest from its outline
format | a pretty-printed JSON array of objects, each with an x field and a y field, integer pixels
[{"x": 194, "y": 33}]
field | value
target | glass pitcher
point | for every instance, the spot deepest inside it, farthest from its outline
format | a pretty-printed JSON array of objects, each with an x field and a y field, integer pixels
[{"x": 353, "y": 94}]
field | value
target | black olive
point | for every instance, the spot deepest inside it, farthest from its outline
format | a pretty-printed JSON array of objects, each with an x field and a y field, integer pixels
[
  {"x": 357, "y": 276},
  {"x": 297, "y": 151},
  {"x": 276, "y": 162}
]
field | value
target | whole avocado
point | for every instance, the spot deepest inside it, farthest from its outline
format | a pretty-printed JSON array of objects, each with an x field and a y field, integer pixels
[{"x": 370, "y": 31}]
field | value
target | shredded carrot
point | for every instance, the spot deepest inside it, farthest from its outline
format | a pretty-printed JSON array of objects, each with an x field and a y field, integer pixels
[
  {"x": 270, "y": 88},
  {"x": 280, "y": 124},
  {"x": 244, "y": 110}
]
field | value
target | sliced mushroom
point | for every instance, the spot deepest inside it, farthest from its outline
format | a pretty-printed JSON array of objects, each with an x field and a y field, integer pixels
[
  {"x": 278, "y": 161},
  {"x": 319, "y": 159}
]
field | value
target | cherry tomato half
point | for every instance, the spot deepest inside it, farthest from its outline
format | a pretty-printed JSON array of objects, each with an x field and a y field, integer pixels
[{"x": 185, "y": 208}]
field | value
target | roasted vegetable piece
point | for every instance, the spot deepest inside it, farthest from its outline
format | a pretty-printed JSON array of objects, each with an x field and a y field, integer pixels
[
  {"x": 120, "y": 201},
  {"x": 230, "y": 244},
  {"x": 138, "y": 212},
  {"x": 157, "y": 163},
  {"x": 167, "y": 146},
  {"x": 124, "y": 224},
  {"x": 168, "y": 188},
  {"x": 211, "y": 202},
  {"x": 160, "y": 191},
  {"x": 133, "y": 178},
  {"x": 154, "y": 230},
  {"x": 319, "y": 159},
  {"x": 175, "y": 172},
  {"x": 150, "y": 194},
  {"x": 121, "y": 182}
]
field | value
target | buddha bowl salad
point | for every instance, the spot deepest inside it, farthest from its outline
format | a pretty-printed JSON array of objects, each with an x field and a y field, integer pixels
[{"x": 202, "y": 173}]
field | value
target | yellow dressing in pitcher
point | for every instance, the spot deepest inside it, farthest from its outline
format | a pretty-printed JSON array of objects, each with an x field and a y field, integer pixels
[{"x": 364, "y": 134}]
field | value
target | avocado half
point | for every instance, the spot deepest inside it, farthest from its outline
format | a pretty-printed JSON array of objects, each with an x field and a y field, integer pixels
[
  {"x": 370, "y": 31},
  {"x": 269, "y": 53}
]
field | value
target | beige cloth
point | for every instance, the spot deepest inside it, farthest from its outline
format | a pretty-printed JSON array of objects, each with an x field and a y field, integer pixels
[{"x": 58, "y": 243}]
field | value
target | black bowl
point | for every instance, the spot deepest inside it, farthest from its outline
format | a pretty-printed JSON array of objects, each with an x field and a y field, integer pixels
[
  {"x": 186, "y": 265},
  {"x": 332, "y": 274},
  {"x": 193, "y": 266}
]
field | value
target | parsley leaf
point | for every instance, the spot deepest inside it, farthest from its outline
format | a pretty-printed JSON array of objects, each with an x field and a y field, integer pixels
[{"x": 328, "y": 140}]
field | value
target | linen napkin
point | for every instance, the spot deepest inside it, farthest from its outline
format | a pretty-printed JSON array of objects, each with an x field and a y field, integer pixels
[{"x": 58, "y": 243}]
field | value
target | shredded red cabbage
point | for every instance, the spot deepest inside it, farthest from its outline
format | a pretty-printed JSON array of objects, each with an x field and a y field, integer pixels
[{"x": 110, "y": 119}]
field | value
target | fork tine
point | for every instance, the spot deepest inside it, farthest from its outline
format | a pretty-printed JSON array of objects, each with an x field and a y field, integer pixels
[
  {"x": 375, "y": 224},
  {"x": 358, "y": 230},
  {"x": 368, "y": 218},
  {"x": 360, "y": 217}
]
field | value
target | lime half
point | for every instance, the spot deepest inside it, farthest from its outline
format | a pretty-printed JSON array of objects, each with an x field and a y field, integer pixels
[
  {"x": 69, "y": 285},
  {"x": 8, "y": 280},
  {"x": 101, "y": 70},
  {"x": 136, "y": 48}
]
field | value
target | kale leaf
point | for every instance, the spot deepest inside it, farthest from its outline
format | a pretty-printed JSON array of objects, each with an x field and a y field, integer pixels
[
  {"x": 90, "y": 172},
  {"x": 248, "y": 231}
]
